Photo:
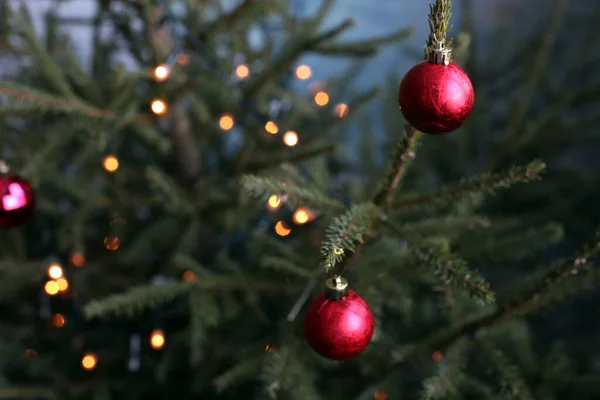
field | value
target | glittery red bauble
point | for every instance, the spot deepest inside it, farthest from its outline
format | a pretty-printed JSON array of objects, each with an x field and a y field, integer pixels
[
  {"x": 339, "y": 329},
  {"x": 436, "y": 98},
  {"x": 17, "y": 200}
]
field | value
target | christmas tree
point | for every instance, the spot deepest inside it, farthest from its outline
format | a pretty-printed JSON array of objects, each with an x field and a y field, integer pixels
[{"x": 189, "y": 225}]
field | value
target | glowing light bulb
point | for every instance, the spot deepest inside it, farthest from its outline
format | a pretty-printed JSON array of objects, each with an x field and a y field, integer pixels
[
  {"x": 189, "y": 276},
  {"x": 303, "y": 72},
  {"x": 63, "y": 284},
  {"x": 157, "y": 339},
  {"x": 242, "y": 71},
  {"x": 162, "y": 72},
  {"x": 282, "y": 229},
  {"x": 89, "y": 361},
  {"x": 182, "y": 59},
  {"x": 271, "y": 127},
  {"x": 55, "y": 271},
  {"x": 274, "y": 203},
  {"x": 77, "y": 259},
  {"x": 158, "y": 107},
  {"x": 51, "y": 288},
  {"x": 302, "y": 216},
  {"x": 110, "y": 163},
  {"x": 341, "y": 110},
  {"x": 58, "y": 320},
  {"x": 226, "y": 122},
  {"x": 290, "y": 138},
  {"x": 321, "y": 98},
  {"x": 111, "y": 243}
]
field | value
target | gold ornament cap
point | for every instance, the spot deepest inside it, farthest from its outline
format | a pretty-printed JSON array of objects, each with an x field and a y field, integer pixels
[
  {"x": 336, "y": 288},
  {"x": 438, "y": 53}
]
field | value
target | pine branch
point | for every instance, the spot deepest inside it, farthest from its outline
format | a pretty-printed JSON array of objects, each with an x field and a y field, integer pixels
[
  {"x": 226, "y": 21},
  {"x": 363, "y": 48},
  {"x": 486, "y": 183},
  {"x": 175, "y": 197},
  {"x": 273, "y": 160},
  {"x": 439, "y": 22},
  {"x": 263, "y": 187},
  {"x": 346, "y": 231},
  {"x": 444, "y": 384}
]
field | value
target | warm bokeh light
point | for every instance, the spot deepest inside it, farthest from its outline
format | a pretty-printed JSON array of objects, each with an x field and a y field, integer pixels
[
  {"x": 303, "y": 72},
  {"x": 290, "y": 138},
  {"x": 110, "y": 163},
  {"x": 270, "y": 348},
  {"x": 77, "y": 259},
  {"x": 182, "y": 59},
  {"x": 111, "y": 243},
  {"x": 162, "y": 72},
  {"x": 159, "y": 107},
  {"x": 302, "y": 216},
  {"x": 55, "y": 271},
  {"x": 274, "y": 202},
  {"x": 242, "y": 71},
  {"x": 226, "y": 122},
  {"x": 157, "y": 339},
  {"x": 58, "y": 320},
  {"x": 63, "y": 284},
  {"x": 380, "y": 395},
  {"x": 271, "y": 127},
  {"x": 437, "y": 356},
  {"x": 189, "y": 276},
  {"x": 341, "y": 110},
  {"x": 51, "y": 288},
  {"x": 282, "y": 229},
  {"x": 321, "y": 98},
  {"x": 30, "y": 353},
  {"x": 89, "y": 361}
]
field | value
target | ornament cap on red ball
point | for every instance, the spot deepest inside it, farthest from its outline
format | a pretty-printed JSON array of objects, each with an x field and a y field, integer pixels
[
  {"x": 436, "y": 96},
  {"x": 17, "y": 199},
  {"x": 338, "y": 324}
]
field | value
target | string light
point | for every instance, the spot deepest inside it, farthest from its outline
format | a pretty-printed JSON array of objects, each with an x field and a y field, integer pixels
[
  {"x": 303, "y": 72},
  {"x": 162, "y": 72},
  {"x": 111, "y": 243},
  {"x": 302, "y": 216},
  {"x": 437, "y": 356},
  {"x": 242, "y": 71},
  {"x": 189, "y": 276},
  {"x": 341, "y": 110},
  {"x": 58, "y": 320},
  {"x": 226, "y": 122},
  {"x": 89, "y": 361},
  {"x": 77, "y": 259},
  {"x": 321, "y": 98},
  {"x": 271, "y": 127},
  {"x": 282, "y": 229},
  {"x": 290, "y": 138},
  {"x": 63, "y": 284},
  {"x": 55, "y": 271},
  {"x": 182, "y": 59},
  {"x": 274, "y": 202},
  {"x": 110, "y": 163},
  {"x": 51, "y": 288},
  {"x": 380, "y": 395},
  {"x": 158, "y": 107},
  {"x": 157, "y": 339},
  {"x": 270, "y": 348}
]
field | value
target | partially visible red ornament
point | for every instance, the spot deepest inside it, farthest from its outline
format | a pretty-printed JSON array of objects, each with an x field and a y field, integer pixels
[
  {"x": 17, "y": 200},
  {"x": 436, "y": 96},
  {"x": 338, "y": 324}
]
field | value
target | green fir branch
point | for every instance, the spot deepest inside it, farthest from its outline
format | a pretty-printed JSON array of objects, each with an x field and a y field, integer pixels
[
  {"x": 445, "y": 384},
  {"x": 439, "y": 22},
  {"x": 175, "y": 198},
  {"x": 485, "y": 183},
  {"x": 204, "y": 314},
  {"x": 447, "y": 226},
  {"x": 260, "y": 162},
  {"x": 514, "y": 386},
  {"x": 363, "y": 48},
  {"x": 285, "y": 265},
  {"x": 345, "y": 231}
]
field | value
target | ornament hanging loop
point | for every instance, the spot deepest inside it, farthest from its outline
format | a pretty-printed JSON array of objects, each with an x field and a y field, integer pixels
[
  {"x": 438, "y": 53},
  {"x": 336, "y": 288}
]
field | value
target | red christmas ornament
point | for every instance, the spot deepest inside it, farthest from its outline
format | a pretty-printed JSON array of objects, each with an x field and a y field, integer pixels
[
  {"x": 17, "y": 200},
  {"x": 338, "y": 324},
  {"x": 436, "y": 96}
]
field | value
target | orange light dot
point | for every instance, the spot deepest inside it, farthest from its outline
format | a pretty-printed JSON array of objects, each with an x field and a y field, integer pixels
[
  {"x": 437, "y": 356},
  {"x": 29, "y": 353},
  {"x": 77, "y": 259},
  {"x": 242, "y": 71},
  {"x": 321, "y": 98},
  {"x": 55, "y": 271},
  {"x": 341, "y": 110},
  {"x": 157, "y": 339},
  {"x": 51, "y": 288},
  {"x": 271, "y": 127},
  {"x": 89, "y": 361},
  {"x": 303, "y": 72},
  {"x": 110, "y": 163},
  {"x": 274, "y": 202},
  {"x": 290, "y": 138},
  {"x": 270, "y": 348},
  {"x": 282, "y": 229},
  {"x": 162, "y": 72},
  {"x": 111, "y": 243},
  {"x": 182, "y": 59},
  {"x": 302, "y": 216},
  {"x": 58, "y": 320},
  {"x": 380, "y": 395},
  {"x": 63, "y": 284},
  {"x": 159, "y": 107},
  {"x": 226, "y": 122},
  {"x": 189, "y": 276}
]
